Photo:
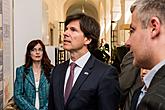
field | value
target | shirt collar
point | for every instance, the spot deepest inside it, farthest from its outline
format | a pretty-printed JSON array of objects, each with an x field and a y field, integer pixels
[
  {"x": 149, "y": 76},
  {"x": 82, "y": 60}
]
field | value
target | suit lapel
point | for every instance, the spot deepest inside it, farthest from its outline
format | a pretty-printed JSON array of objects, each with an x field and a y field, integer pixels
[
  {"x": 60, "y": 83},
  {"x": 42, "y": 79},
  {"x": 155, "y": 86},
  {"x": 135, "y": 97},
  {"x": 158, "y": 76},
  {"x": 82, "y": 77},
  {"x": 30, "y": 76}
]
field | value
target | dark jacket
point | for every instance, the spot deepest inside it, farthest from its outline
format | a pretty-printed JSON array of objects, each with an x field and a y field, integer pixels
[
  {"x": 96, "y": 88},
  {"x": 154, "y": 98}
]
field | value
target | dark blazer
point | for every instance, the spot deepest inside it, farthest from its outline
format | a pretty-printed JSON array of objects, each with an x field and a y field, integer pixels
[
  {"x": 154, "y": 98},
  {"x": 135, "y": 98},
  {"x": 25, "y": 92},
  {"x": 96, "y": 90},
  {"x": 129, "y": 80}
]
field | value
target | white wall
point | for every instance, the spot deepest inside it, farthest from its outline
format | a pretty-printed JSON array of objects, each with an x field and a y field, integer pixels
[
  {"x": 51, "y": 53},
  {"x": 27, "y": 26}
]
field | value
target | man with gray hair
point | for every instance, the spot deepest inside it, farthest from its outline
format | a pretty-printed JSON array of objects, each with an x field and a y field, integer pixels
[{"x": 147, "y": 42}]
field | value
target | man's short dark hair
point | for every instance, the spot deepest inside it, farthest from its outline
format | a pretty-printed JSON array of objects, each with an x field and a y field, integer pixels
[{"x": 89, "y": 26}]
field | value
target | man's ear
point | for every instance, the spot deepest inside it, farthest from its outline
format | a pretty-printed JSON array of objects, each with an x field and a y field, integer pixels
[
  {"x": 154, "y": 24},
  {"x": 88, "y": 40}
]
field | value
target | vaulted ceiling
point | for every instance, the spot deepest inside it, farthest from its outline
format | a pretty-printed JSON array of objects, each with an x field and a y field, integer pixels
[
  {"x": 105, "y": 11},
  {"x": 89, "y": 7}
]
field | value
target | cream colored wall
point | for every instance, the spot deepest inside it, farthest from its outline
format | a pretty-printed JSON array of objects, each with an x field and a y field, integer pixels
[
  {"x": 126, "y": 20},
  {"x": 54, "y": 9},
  {"x": 27, "y": 26}
]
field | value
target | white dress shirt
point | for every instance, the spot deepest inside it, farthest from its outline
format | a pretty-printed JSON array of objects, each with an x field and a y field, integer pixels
[
  {"x": 148, "y": 78},
  {"x": 80, "y": 65}
]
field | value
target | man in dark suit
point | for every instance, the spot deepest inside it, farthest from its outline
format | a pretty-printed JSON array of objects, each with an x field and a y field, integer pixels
[
  {"x": 147, "y": 41},
  {"x": 95, "y": 84}
]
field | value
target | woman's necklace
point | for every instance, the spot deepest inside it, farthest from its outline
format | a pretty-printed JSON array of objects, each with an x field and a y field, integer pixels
[{"x": 35, "y": 73}]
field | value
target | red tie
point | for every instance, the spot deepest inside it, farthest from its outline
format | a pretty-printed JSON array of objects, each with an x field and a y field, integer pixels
[{"x": 69, "y": 82}]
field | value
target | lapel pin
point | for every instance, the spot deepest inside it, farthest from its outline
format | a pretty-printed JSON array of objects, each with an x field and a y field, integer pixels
[{"x": 86, "y": 73}]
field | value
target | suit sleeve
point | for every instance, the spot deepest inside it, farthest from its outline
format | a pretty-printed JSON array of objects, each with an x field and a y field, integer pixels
[
  {"x": 109, "y": 90},
  {"x": 51, "y": 98},
  {"x": 127, "y": 69},
  {"x": 19, "y": 97}
]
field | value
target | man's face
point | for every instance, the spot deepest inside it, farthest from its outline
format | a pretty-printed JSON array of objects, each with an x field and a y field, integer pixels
[
  {"x": 138, "y": 41},
  {"x": 74, "y": 39}
]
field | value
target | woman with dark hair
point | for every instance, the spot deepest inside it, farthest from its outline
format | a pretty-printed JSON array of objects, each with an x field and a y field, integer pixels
[{"x": 32, "y": 79}]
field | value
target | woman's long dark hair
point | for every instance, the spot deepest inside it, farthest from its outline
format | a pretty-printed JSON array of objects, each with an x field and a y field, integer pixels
[{"x": 45, "y": 62}]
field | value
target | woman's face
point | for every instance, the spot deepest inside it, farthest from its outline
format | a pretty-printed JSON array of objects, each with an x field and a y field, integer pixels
[{"x": 37, "y": 53}]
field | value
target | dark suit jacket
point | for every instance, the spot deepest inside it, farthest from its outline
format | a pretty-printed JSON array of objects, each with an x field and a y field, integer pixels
[
  {"x": 154, "y": 98},
  {"x": 135, "y": 98},
  {"x": 98, "y": 90},
  {"x": 129, "y": 80}
]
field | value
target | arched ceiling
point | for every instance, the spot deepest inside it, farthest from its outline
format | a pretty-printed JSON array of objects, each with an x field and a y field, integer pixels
[{"x": 77, "y": 6}]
